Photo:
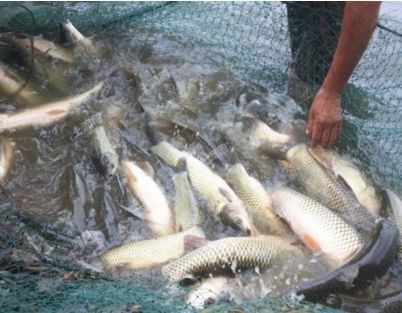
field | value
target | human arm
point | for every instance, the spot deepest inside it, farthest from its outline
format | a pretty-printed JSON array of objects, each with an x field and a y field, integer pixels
[{"x": 325, "y": 116}]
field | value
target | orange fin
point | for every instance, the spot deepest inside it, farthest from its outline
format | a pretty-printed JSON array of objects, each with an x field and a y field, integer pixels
[
  {"x": 193, "y": 242},
  {"x": 56, "y": 112},
  {"x": 311, "y": 243}
]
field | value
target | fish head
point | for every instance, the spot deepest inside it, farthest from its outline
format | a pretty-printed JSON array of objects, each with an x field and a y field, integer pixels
[{"x": 231, "y": 214}]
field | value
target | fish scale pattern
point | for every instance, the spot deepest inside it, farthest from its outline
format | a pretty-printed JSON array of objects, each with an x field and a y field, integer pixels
[
  {"x": 240, "y": 253},
  {"x": 340, "y": 240},
  {"x": 327, "y": 190}
]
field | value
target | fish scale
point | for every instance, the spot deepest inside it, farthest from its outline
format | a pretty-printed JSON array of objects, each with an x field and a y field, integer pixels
[
  {"x": 324, "y": 188},
  {"x": 222, "y": 201},
  {"x": 256, "y": 199},
  {"x": 264, "y": 133},
  {"x": 185, "y": 207},
  {"x": 242, "y": 253},
  {"x": 321, "y": 229},
  {"x": 148, "y": 253}
]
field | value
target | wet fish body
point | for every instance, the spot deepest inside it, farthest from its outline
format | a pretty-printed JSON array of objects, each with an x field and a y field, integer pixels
[
  {"x": 149, "y": 253},
  {"x": 151, "y": 197},
  {"x": 222, "y": 201},
  {"x": 51, "y": 62},
  {"x": 372, "y": 263},
  {"x": 256, "y": 199},
  {"x": 46, "y": 114},
  {"x": 185, "y": 206},
  {"x": 105, "y": 151},
  {"x": 230, "y": 254},
  {"x": 262, "y": 133},
  {"x": 11, "y": 83},
  {"x": 361, "y": 186},
  {"x": 319, "y": 228},
  {"x": 395, "y": 213},
  {"x": 41, "y": 46},
  {"x": 79, "y": 40},
  {"x": 207, "y": 292},
  {"x": 6, "y": 157},
  {"x": 324, "y": 188}
]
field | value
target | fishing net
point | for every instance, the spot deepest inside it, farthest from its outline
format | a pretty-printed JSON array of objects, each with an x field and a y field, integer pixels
[{"x": 253, "y": 40}]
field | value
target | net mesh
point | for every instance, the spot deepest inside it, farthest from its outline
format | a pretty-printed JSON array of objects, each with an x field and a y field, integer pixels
[{"x": 254, "y": 41}]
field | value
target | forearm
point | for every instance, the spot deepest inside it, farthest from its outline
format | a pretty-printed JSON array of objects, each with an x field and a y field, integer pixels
[{"x": 359, "y": 21}]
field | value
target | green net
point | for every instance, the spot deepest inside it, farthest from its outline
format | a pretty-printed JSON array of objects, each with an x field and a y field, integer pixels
[{"x": 253, "y": 41}]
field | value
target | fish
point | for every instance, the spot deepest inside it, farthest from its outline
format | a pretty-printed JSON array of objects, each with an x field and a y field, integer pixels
[
  {"x": 222, "y": 200},
  {"x": 75, "y": 37},
  {"x": 261, "y": 132},
  {"x": 370, "y": 264},
  {"x": 207, "y": 292},
  {"x": 362, "y": 187},
  {"x": 321, "y": 230},
  {"x": 45, "y": 114},
  {"x": 149, "y": 194},
  {"x": 149, "y": 253},
  {"x": 326, "y": 189},
  {"x": 6, "y": 157},
  {"x": 394, "y": 210},
  {"x": 50, "y": 63},
  {"x": 232, "y": 255},
  {"x": 257, "y": 200},
  {"x": 41, "y": 46},
  {"x": 105, "y": 152},
  {"x": 12, "y": 85},
  {"x": 186, "y": 210}
]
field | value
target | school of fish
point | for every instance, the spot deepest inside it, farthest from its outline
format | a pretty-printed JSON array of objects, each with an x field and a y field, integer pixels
[{"x": 330, "y": 212}]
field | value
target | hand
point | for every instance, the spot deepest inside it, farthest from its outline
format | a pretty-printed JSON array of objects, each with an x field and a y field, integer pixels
[{"x": 325, "y": 119}]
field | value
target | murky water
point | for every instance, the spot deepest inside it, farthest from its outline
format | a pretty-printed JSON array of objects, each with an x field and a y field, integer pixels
[{"x": 151, "y": 80}]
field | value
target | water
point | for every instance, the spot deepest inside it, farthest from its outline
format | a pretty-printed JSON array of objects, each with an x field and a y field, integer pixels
[{"x": 53, "y": 177}]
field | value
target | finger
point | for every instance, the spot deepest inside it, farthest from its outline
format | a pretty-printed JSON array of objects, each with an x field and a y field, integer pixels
[
  {"x": 326, "y": 137},
  {"x": 310, "y": 123},
  {"x": 316, "y": 135}
]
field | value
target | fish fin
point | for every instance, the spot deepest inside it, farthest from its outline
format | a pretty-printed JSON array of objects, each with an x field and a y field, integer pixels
[
  {"x": 311, "y": 243},
  {"x": 147, "y": 168},
  {"x": 226, "y": 194},
  {"x": 276, "y": 152},
  {"x": 192, "y": 242},
  {"x": 254, "y": 232}
]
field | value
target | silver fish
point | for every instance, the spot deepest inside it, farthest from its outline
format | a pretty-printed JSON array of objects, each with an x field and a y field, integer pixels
[
  {"x": 185, "y": 206},
  {"x": 361, "y": 186},
  {"x": 320, "y": 229},
  {"x": 262, "y": 133},
  {"x": 256, "y": 199},
  {"x": 222, "y": 201},
  {"x": 150, "y": 195},
  {"x": 45, "y": 114},
  {"x": 207, "y": 292},
  {"x": 12, "y": 85},
  {"x": 105, "y": 151},
  {"x": 51, "y": 62},
  {"x": 394, "y": 208},
  {"x": 231, "y": 254},
  {"x": 149, "y": 253},
  {"x": 326, "y": 189},
  {"x": 6, "y": 157},
  {"x": 75, "y": 37}
]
